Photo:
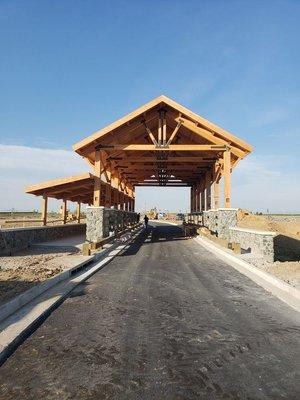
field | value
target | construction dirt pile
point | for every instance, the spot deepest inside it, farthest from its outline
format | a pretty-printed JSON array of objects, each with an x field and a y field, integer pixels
[
  {"x": 25, "y": 269},
  {"x": 283, "y": 225}
]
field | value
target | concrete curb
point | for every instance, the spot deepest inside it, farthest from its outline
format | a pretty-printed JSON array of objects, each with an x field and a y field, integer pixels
[
  {"x": 277, "y": 287},
  {"x": 163, "y": 222},
  {"x": 19, "y": 325},
  {"x": 23, "y": 298}
]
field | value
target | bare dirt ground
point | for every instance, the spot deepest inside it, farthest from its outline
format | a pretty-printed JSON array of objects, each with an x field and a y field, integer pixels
[
  {"x": 27, "y": 268},
  {"x": 286, "y": 244},
  {"x": 285, "y": 225}
]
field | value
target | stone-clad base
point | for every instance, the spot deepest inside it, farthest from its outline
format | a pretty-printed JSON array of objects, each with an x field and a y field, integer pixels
[
  {"x": 222, "y": 222},
  {"x": 12, "y": 240},
  {"x": 103, "y": 222},
  {"x": 219, "y": 221},
  {"x": 259, "y": 242}
]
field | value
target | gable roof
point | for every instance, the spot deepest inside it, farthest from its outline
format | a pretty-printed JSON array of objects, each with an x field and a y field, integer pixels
[{"x": 161, "y": 101}]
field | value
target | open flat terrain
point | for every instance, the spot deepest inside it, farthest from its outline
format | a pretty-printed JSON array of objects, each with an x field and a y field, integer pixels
[
  {"x": 28, "y": 267},
  {"x": 164, "y": 320}
]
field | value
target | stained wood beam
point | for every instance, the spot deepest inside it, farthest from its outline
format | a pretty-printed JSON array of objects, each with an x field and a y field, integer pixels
[
  {"x": 170, "y": 159},
  {"x": 150, "y": 134},
  {"x": 205, "y": 134},
  {"x": 172, "y": 147},
  {"x": 174, "y": 133}
]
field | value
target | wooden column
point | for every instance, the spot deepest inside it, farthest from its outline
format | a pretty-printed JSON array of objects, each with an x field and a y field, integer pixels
[
  {"x": 116, "y": 198},
  {"x": 226, "y": 176},
  {"x": 164, "y": 128},
  {"x": 192, "y": 194},
  {"x": 64, "y": 211},
  {"x": 208, "y": 190},
  {"x": 97, "y": 183},
  {"x": 216, "y": 188},
  {"x": 159, "y": 128},
  {"x": 216, "y": 194},
  {"x": 44, "y": 210},
  {"x": 202, "y": 195},
  {"x": 199, "y": 197},
  {"x": 121, "y": 197},
  {"x": 78, "y": 209}
]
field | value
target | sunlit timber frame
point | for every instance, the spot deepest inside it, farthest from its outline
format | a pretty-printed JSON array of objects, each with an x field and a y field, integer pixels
[{"x": 159, "y": 144}]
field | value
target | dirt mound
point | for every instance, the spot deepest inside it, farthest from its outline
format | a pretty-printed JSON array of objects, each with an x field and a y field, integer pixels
[{"x": 288, "y": 226}]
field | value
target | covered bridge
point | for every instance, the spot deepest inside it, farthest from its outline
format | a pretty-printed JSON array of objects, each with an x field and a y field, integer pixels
[{"x": 160, "y": 144}]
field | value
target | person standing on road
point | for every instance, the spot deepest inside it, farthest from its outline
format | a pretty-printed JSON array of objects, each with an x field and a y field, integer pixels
[{"x": 146, "y": 220}]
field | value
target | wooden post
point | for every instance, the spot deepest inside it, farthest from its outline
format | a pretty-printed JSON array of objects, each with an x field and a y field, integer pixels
[
  {"x": 226, "y": 175},
  {"x": 198, "y": 197},
  {"x": 202, "y": 195},
  {"x": 216, "y": 188},
  {"x": 164, "y": 128},
  {"x": 208, "y": 190},
  {"x": 78, "y": 209},
  {"x": 192, "y": 190},
  {"x": 216, "y": 194},
  {"x": 121, "y": 197},
  {"x": 44, "y": 210},
  {"x": 97, "y": 182},
  {"x": 159, "y": 129},
  {"x": 64, "y": 211}
]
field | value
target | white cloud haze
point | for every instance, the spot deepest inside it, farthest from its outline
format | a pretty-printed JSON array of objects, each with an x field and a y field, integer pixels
[{"x": 259, "y": 182}]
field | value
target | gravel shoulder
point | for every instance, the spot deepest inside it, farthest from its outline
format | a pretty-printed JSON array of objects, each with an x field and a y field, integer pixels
[{"x": 27, "y": 268}]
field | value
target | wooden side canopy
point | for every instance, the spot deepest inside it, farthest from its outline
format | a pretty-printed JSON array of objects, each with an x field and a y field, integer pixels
[{"x": 160, "y": 144}]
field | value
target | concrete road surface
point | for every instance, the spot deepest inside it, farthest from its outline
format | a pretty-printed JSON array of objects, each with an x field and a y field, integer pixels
[{"x": 164, "y": 320}]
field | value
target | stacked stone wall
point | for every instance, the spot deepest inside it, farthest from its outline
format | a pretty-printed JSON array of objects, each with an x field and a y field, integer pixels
[
  {"x": 103, "y": 222},
  {"x": 257, "y": 242},
  {"x": 12, "y": 240},
  {"x": 223, "y": 223}
]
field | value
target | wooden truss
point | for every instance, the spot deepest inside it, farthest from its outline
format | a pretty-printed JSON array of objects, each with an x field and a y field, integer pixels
[{"x": 160, "y": 144}]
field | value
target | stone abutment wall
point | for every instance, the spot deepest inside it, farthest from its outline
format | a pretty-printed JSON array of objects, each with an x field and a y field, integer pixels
[
  {"x": 12, "y": 240},
  {"x": 102, "y": 222},
  {"x": 222, "y": 222}
]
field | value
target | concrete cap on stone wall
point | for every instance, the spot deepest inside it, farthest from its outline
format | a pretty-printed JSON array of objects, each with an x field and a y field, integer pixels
[
  {"x": 257, "y": 232},
  {"x": 227, "y": 209}
]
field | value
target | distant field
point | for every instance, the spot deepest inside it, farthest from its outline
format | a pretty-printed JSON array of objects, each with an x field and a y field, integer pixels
[
  {"x": 282, "y": 215},
  {"x": 24, "y": 219}
]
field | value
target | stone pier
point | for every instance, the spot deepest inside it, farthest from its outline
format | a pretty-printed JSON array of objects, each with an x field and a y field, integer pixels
[{"x": 102, "y": 222}]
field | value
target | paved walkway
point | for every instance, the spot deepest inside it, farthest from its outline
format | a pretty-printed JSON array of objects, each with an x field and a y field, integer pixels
[{"x": 165, "y": 320}]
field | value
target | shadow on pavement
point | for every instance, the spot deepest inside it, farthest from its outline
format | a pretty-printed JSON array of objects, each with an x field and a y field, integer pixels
[{"x": 155, "y": 234}]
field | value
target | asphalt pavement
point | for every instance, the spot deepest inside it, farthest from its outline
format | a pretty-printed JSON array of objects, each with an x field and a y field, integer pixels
[{"x": 165, "y": 319}]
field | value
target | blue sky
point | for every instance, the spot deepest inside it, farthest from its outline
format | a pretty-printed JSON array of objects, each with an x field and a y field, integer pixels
[{"x": 70, "y": 67}]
